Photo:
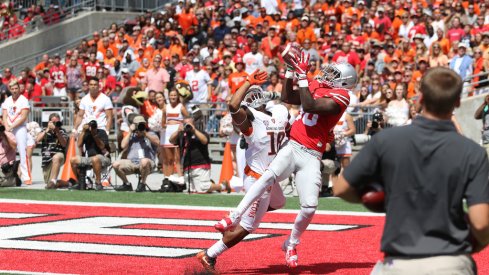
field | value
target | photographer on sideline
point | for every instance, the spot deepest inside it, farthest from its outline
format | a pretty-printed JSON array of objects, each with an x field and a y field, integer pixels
[
  {"x": 54, "y": 140},
  {"x": 376, "y": 125},
  {"x": 8, "y": 146},
  {"x": 94, "y": 144},
  {"x": 195, "y": 157},
  {"x": 140, "y": 145}
]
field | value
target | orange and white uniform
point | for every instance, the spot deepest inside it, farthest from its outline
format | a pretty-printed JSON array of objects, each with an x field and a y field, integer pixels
[
  {"x": 264, "y": 139},
  {"x": 14, "y": 109},
  {"x": 343, "y": 149},
  {"x": 174, "y": 117}
]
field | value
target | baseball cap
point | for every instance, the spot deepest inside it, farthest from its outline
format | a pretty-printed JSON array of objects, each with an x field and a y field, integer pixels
[
  {"x": 196, "y": 60},
  {"x": 138, "y": 119},
  {"x": 125, "y": 70},
  {"x": 234, "y": 30},
  {"x": 361, "y": 2},
  {"x": 305, "y": 18},
  {"x": 464, "y": 45},
  {"x": 423, "y": 59},
  {"x": 380, "y": 9}
]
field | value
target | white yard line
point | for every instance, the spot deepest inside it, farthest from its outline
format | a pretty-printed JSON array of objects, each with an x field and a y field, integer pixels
[{"x": 181, "y": 207}]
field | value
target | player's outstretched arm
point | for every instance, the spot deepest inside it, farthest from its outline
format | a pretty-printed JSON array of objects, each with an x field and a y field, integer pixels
[{"x": 239, "y": 114}]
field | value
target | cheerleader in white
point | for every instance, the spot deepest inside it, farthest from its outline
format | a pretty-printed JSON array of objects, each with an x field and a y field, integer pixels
[
  {"x": 173, "y": 115},
  {"x": 342, "y": 131}
]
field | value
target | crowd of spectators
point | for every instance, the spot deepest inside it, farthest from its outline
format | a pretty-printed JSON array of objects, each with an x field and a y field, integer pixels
[
  {"x": 214, "y": 45},
  {"x": 14, "y": 22}
]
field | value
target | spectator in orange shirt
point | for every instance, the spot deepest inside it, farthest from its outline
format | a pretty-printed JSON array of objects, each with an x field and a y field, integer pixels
[
  {"x": 43, "y": 64},
  {"x": 237, "y": 78},
  {"x": 186, "y": 20},
  {"x": 270, "y": 43},
  {"x": 305, "y": 32},
  {"x": 141, "y": 71}
]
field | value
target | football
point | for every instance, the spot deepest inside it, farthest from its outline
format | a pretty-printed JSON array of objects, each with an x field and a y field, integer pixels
[
  {"x": 373, "y": 198},
  {"x": 290, "y": 52}
]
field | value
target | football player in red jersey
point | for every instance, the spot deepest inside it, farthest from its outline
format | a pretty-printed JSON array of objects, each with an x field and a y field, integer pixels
[
  {"x": 90, "y": 68},
  {"x": 323, "y": 101}
]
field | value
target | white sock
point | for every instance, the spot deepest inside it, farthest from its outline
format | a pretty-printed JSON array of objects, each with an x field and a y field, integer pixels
[
  {"x": 300, "y": 224},
  {"x": 256, "y": 190},
  {"x": 217, "y": 249}
]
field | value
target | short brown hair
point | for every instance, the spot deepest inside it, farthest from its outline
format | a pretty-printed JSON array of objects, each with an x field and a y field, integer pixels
[{"x": 441, "y": 89}]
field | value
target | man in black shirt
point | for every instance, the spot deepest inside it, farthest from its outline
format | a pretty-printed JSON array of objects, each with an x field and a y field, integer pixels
[
  {"x": 94, "y": 145},
  {"x": 426, "y": 169},
  {"x": 53, "y": 140},
  {"x": 195, "y": 157}
]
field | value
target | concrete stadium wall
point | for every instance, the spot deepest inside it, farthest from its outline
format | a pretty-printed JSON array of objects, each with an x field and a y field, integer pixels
[
  {"x": 471, "y": 127},
  {"x": 65, "y": 32}
]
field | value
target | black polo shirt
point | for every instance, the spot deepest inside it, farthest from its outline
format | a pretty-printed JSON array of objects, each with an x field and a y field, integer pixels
[{"x": 427, "y": 169}]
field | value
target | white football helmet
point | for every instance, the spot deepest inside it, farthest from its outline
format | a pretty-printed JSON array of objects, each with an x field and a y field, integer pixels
[
  {"x": 255, "y": 97},
  {"x": 338, "y": 75}
]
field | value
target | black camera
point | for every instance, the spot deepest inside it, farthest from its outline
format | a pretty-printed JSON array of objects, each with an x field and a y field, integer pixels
[
  {"x": 58, "y": 124},
  {"x": 187, "y": 128},
  {"x": 376, "y": 119},
  {"x": 141, "y": 126},
  {"x": 2, "y": 128},
  {"x": 93, "y": 124}
]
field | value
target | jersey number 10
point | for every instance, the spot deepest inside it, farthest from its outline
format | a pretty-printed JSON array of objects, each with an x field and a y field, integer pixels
[{"x": 275, "y": 142}]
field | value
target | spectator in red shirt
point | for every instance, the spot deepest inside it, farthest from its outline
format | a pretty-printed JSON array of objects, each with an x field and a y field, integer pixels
[
  {"x": 33, "y": 91},
  {"x": 456, "y": 32},
  {"x": 7, "y": 76},
  {"x": 15, "y": 29},
  {"x": 347, "y": 55}
]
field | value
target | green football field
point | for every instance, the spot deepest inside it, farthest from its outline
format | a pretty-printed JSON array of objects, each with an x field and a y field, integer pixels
[{"x": 218, "y": 200}]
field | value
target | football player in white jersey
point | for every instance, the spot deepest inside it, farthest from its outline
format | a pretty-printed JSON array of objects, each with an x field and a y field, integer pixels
[
  {"x": 264, "y": 131},
  {"x": 15, "y": 111}
]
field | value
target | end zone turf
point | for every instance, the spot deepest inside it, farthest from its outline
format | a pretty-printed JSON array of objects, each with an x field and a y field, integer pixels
[{"x": 143, "y": 239}]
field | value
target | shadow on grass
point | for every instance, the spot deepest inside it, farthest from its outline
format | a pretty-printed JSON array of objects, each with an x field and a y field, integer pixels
[{"x": 317, "y": 268}]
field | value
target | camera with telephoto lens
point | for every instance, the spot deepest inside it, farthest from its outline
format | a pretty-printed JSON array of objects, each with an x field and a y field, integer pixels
[
  {"x": 93, "y": 124},
  {"x": 141, "y": 126},
  {"x": 58, "y": 124},
  {"x": 187, "y": 128},
  {"x": 2, "y": 128},
  {"x": 376, "y": 119}
]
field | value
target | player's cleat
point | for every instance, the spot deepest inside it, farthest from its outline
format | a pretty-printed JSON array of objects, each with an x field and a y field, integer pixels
[
  {"x": 207, "y": 262},
  {"x": 227, "y": 223},
  {"x": 291, "y": 259}
]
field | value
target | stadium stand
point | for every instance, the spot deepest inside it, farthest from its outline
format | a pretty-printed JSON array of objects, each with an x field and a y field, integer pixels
[{"x": 390, "y": 44}]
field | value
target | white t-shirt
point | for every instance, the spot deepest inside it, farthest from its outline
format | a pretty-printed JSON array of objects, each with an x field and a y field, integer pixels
[
  {"x": 14, "y": 108},
  {"x": 95, "y": 109},
  {"x": 198, "y": 83},
  {"x": 253, "y": 62}
]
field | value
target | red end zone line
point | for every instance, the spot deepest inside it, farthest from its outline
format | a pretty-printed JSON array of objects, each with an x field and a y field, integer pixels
[{"x": 343, "y": 252}]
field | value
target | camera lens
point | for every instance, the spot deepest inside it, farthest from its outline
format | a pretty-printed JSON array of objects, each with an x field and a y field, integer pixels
[
  {"x": 141, "y": 126},
  {"x": 58, "y": 124},
  {"x": 2, "y": 128},
  {"x": 93, "y": 124}
]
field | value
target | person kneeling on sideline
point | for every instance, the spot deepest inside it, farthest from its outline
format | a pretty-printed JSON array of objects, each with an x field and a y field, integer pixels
[
  {"x": 195, "y": 158},
  {"x": 95, "y": 143},
  {"x": 8, "y": 164},
  {"x": 140, "y": 146},
  {"x": 54, "y": 140}
]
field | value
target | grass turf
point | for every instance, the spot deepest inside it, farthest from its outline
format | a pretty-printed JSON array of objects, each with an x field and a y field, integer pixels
[{"x": 220, "y": 200}]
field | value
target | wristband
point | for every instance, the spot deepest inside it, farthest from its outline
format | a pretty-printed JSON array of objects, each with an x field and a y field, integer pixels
[
  {"x": 289, "y": 74},
  {"x": 303, "y": 83}
]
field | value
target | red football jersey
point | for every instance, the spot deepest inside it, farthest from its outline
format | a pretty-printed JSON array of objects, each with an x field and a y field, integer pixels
[
  {"x": 312, "y": 130},
  {"x": 90, "y": 69},
  {"x": 58, "y": 75}
]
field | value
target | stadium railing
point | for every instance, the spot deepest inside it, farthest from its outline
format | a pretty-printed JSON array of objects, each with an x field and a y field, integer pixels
[
  {"x": 40, "y": 111},
  {"x": 62, "y": 13}
]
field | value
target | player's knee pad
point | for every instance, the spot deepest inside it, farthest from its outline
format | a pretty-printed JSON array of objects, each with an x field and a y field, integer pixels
[{"x": 308, "y": 212}]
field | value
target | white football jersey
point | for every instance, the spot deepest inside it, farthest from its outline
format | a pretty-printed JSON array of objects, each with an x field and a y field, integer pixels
[
  {"x": 14, "y": 108},
  {"x": 198, "y": 83},
  {"x": 95, "y": 109},
  {"x": 266, "y": 138}
]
